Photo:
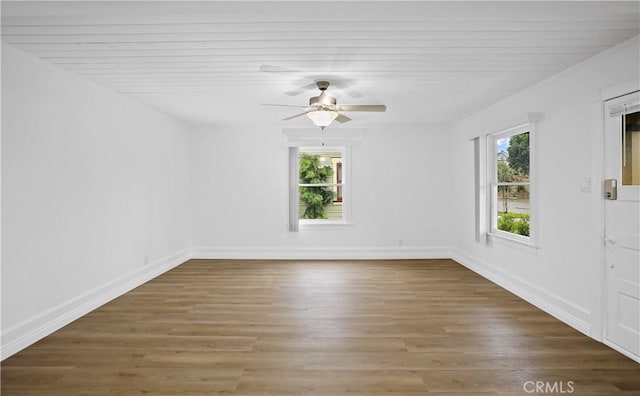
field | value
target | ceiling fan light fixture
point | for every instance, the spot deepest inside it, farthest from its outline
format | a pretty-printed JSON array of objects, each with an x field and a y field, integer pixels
[
  {"x": 322, "y": 118},
  {"x": 323, "y": 109}
]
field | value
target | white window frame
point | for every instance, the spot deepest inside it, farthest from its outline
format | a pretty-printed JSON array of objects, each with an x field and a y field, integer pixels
[
  {"x": 492, "y": 183},
  {"x": 346, "y": 189}
]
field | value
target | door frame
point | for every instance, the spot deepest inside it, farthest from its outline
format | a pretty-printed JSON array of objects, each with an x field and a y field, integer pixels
[{"x": 599, "y": 310}]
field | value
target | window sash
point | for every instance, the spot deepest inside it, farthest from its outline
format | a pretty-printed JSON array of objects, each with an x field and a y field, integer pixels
[
  {"x": 512, "y": 184},
  {"x": 492, "y": 174},
  {"x": 342, "y": 184},
  {"x": 321, "y": 185}
]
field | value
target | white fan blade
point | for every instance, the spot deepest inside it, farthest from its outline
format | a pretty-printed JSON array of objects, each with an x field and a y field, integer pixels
[
  {"x": 362, "y": 108},
  {"x": 341, "y": 118},
  {"x": 343, "y": 85},
  {"x": 300, "y": 90},
  {"x": 281, "y": 105},
  {"x": 277, "y": 70},
  {"x": 294, "y": 116}
]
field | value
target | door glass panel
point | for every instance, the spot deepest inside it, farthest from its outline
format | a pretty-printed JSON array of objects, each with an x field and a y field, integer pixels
[{"x": 631, "y": 149}]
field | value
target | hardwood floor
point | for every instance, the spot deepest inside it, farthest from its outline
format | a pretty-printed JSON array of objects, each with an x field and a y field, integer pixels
[{"x": 411, "y": 327}]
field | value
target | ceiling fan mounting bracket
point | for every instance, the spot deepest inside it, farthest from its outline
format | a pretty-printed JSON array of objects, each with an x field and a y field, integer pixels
[{"x": 322, "y": 85}]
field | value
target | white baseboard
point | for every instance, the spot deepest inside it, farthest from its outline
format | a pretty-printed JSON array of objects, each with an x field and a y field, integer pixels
[
  {"x": 561, "y": 309},
  {"x": 623, "y": 351},
  {"x": 26, "y": 333},
  {"x": 333, "y": 253}
]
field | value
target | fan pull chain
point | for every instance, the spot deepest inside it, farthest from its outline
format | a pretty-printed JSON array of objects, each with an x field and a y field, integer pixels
[{"x": 322, "y": 128}]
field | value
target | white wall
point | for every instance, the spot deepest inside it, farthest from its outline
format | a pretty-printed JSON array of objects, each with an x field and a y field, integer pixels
[
  {"x": 94, "y": 186},
  {"x": 563, "y": 275},
  {"x": 400, "y": 196}
]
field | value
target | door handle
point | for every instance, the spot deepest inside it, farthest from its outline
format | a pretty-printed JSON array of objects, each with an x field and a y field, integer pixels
[{"x": 611, "y": 189}]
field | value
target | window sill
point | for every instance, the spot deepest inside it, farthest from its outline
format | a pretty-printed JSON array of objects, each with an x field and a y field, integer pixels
[
  {"x": 508, "y": 240},
  {"x": 310, "y": 224}
]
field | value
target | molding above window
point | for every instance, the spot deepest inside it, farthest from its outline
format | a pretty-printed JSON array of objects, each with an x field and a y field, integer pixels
[
  {"x": 315, "y": 137},
  {"x": 507, "y": 124}
]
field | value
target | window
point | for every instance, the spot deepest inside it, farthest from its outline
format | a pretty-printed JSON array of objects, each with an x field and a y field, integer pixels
[
  {"x": 319, "y": 189},
  {"x": 631, "y": 149},
  {"x": 320, "y": 184},
  {"x": 508, "y": 173}
]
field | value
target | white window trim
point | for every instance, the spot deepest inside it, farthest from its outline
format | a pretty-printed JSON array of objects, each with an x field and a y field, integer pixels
[
  {"x": 491, "y": 186},
  {"x": 312, "y": 138},
  {"x": 307, "y": 224},
  {"x": 294, "y": 225}
]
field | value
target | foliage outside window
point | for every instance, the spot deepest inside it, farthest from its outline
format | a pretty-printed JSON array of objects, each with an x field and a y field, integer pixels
[
  {"x": 320, "y": 184},
  {"x": 631, "y": 149},
  {"x": 511, "y": 213}
]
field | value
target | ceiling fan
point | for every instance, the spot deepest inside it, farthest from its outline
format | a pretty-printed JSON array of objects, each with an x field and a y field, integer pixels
[
  {"x": 342, "y": 83},
  {"x": 323, "y": 109}
]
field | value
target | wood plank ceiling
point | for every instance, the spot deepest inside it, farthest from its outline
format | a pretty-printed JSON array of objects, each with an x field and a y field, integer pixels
[{"x": 217, "y": 62}]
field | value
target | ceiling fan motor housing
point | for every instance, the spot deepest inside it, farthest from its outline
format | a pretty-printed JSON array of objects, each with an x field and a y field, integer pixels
[{"x": 322, "y": 100}]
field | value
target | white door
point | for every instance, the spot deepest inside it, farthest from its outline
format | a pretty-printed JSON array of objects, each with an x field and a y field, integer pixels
[{"x": 622, "y": 224}]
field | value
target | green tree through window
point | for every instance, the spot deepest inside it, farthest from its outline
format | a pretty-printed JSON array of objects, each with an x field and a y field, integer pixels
[
  {"x": 519, "y": 153},
  {"x": 512, "y": 182},
  {"x": 314, "y": 197}
]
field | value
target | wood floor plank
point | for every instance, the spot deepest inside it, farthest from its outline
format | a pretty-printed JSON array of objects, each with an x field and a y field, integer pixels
[
  {"x": 357, "y": 327},
  {"x": 333, "y": 344},
  {"x": 113, "y": 341},
  {"x": 331, "y": 382}
]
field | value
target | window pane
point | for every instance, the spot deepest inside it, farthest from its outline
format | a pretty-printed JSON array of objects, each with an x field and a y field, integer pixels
[
  {"x": 323, "y": 201},
  {"x": 510, "y": 199},
  {"x": 631, "y": 150},
  {"x": 337, "y": 162},
  {"x": 512, "y": 158},
  {"x": 512, "y": 205},
  {"x": 318, "y": 167},
  {"x": 320, "y": 203}
]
